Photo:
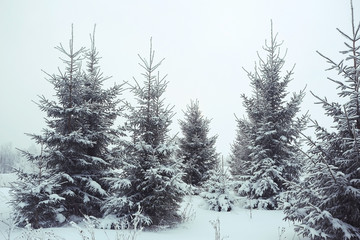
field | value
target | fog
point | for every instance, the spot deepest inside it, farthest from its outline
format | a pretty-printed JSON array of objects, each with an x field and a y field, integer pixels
[{"x": 206, "y": 45}]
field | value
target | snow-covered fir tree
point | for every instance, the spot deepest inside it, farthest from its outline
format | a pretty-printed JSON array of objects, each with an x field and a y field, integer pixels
[
  {"x": 103, "y": 107},
  {"x": 264, "y": 156},
  {"x": 35, "y": 200},
  {"x": 327, "y": 204},
  {"x": 217, "y": 190},
  {"x": 75, "y": 143},
  {"x": 150, "y": 178},
  {"x": 239, "y": 160},
  {"x": 197, "y": 149}
]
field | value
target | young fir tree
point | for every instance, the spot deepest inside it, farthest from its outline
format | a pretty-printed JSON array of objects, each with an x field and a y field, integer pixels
[
  {"x": 218, "y": 189},
  {"x": 239, "y": 159},
  {"x": 75, "y": 143},
  {"x": 264, "y": 155},
  {"x": 150, "y": 178},
  {"x": 197, "y": 149},
  {"x": 35, "y": 200},
  {"x": 327, "y": 204}
]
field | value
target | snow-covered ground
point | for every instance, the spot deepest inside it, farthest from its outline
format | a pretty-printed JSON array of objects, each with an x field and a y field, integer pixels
[{"x": 237, "y": 224}]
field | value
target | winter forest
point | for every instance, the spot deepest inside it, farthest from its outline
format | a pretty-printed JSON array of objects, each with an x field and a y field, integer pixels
[{"x": 106, "y": 160}]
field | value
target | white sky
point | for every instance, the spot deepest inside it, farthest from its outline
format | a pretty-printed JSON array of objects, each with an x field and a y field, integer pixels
[{"x": 206, "y": 43}]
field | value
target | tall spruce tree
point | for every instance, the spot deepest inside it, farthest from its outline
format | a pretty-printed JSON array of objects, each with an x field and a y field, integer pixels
[
  {"x": 150, "y": 178},
  {"x": 75, "y": 144},
  {"x": 264, "y": 155},
  {"x": 102, "y": 107},
  {"x": 197, "y": 149},
  {"x": 327, "y": 204}
]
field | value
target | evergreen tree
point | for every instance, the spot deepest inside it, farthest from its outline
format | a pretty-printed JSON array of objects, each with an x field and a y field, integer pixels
[
  {"x": 35, "y": 200},
  {"x": 101, "y": 108},
  {"x": 264, "y": 156},
  {"x": 239, "y": 156},
  {"x": 218, "y": 189},
  {"x": 150, "y": 178},
  {"x": 327, "y": 204},
  {"x": 75, "y": 143},
  {"x": 196, "y": 149}
]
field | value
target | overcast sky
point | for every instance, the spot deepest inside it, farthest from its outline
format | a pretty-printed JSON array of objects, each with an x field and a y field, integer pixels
[{"x": 205, "y": 45}]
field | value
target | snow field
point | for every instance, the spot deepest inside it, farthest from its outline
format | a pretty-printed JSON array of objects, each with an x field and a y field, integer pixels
[{"x": 234, "y": 225}]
